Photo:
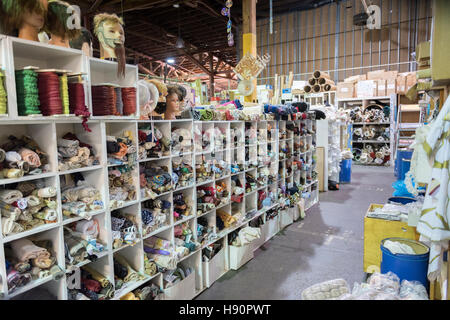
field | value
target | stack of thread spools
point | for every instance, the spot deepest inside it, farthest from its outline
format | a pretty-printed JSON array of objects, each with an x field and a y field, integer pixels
[
  {"x": 320, "y": 82},
  {"x": 112, "y": 100}
]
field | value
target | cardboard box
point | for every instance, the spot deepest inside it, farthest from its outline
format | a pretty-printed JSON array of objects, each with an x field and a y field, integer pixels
[
  {"x": 368, "y": 88},
  {"x": 355, "y": 79},
  {"x": 382, "y": 75},
  {"x": 381, "y": 91},
  {"x": 391, "y": 87},
  {"x": 375, "y": 75},
  {"x": 345, "y": 90},
  {"x": 411, "y": 80},
  {"x": 401, "y": 84}
]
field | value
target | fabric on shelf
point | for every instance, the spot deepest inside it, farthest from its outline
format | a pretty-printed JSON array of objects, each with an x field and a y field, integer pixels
[
  {"x": 16, "y": 279},
  {"x": 24, "y": 249},
  {"x": 89, "y": 228},
  {"x": 46, "y": 192},
  {"x": 30, "y": 156},
  {"x": 166, "y": 262},
  {"x": 10, "y": 196},
  {"x": 97, "y": 276}
]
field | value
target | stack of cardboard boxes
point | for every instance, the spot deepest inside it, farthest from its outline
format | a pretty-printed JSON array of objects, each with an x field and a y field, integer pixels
[{"x": 376, "y": 84}]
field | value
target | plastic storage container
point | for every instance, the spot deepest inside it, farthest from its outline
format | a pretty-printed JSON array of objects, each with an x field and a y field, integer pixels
[
  {"x": 411, "y": 267},
  {"x": 402, "y": 163},
  {"x": 240, "y": 255},
  {"x": 213, "y": 269},
  {"x": 345, "y": 176},
  {"x": 286, "y": 218},
  {"x": 183, "y": 290}
]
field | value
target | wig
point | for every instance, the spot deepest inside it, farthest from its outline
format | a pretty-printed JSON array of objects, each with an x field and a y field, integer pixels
[
  {"x": 175, "y": 90},
  {"x": 119, "y": 50},
  {"x": 57, "y": 18},
  {"x": 12, "y": 11},
  {"x": 84, "y": 37},
  {"x": 162, "y": 89}
]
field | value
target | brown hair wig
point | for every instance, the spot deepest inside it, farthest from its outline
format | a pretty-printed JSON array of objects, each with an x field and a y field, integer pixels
[
  {"x": 12, "y": 11},
  {"x": 57, "y": 18},
  {"x": 175, "y": 90}
]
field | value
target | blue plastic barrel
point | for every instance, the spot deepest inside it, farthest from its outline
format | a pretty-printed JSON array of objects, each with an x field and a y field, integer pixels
[
  {"x": 345, "y": 176},
  {"x": 401, "y": 200},
  {"x": 411, "y": 267}
]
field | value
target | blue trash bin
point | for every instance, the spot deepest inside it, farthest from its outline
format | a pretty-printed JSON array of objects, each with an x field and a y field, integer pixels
[
  {"x": 411, "y": 267},
  {"x": 402, "y": 164},
  {"x": 345, "y": 176}
]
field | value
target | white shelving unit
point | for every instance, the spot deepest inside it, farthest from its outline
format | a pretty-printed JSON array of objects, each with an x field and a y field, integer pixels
[
  {"x": 16, "y": 53},
  {"x": 363, "y": 102}
]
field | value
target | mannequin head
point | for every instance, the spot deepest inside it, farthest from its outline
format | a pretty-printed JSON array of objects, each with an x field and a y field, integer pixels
[
  {"x": 83, "y": 42},
  {"x": 56, "y": 25},
  {"x": 173, "y": 99},
  {"x": 26, "y": 16},
  {"x": 109, "y": 30}
]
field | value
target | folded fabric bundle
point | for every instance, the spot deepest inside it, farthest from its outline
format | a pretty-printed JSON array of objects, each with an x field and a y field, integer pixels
[
  {"x": 206, "y": 114},
  {"x": 22, "y": 267},
  {"x": 10, "y": 196},
  {"x": 107, "y": 292},
  {"x": 47, "y": 192},
  {"x": 47, "y": 214},
  {"x": 12, "y": 173},
  {"x": 129, "y": 296},
  {"x": 76, "y": 208},
  {"x": 97, "y": 276},
  {"x": 156, "y": 251},
  {"x": 150, "y": 266},
  {"x": 166, "y": 262},
  {"x": 2, "y": 155},
  {"x": 158, "y": 243},
  {"x": 5, "y": 207},
  {"x": 42, "y": 262},
  {"x": 9, "y": 226},
  {"x": 68, "y": 152},
  {"x": 16, "y": 279},
  {"x": 91, "y": 284},
  {"x": 33, "y": 201},
  {"x": 75, "y": 245},
  {"x": 12, "y": 156},
  {"x": 30, "y": 156},
  {"x": 88, "y": 228},
  {"x": 24, "y": 249}
]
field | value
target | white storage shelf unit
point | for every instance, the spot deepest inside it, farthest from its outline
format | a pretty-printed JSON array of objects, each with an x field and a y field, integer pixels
[
  {"x": 392, "y": 101},
  {"x": 45, "y": 131}
]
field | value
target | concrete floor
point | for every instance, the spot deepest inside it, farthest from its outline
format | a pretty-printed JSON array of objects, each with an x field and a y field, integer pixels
[{"x": 327, "y": 244}]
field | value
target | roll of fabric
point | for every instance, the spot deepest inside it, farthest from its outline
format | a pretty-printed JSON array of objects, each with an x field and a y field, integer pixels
[
  {"x": 12, "y": 173},
  {"x": 2, "y": 155},
  {"x": 10, "y": 196},
  {"x": 97, "y": 276},
  {"x": 9, "y": 208},
  {"x": 129, "y": 296},
  {"x": 89, "y": 228},
  {"x": 132, "y": 275},
  {"x": 26, "y": 187},
  {"x": 91, "y": 285},
  {"x": 24, "y": 249},
  {"x": 68, "y": 143},
  {"x": 47, "y": 192},
  {"x": 150, "y": 267},
  {"x": 22, "y": 267},
  {"x": 156, "y": 251},
  {"x": 206, "y": 115},
  {"x": 12, "y": 156},
  {"x": 42, "y": 262},
  {"x": 108, "y": 292},
  {"x": 31, "y": 157}
]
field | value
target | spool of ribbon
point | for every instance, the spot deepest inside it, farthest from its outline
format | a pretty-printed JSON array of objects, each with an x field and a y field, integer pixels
[
  {"x": 27, "y": 92},
  {"x": 77, "y": 103},
  {"x": 50, "y": 93}
]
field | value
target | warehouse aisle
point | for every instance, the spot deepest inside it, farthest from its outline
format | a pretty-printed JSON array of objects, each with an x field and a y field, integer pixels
[{"x": 326, "y": 245}]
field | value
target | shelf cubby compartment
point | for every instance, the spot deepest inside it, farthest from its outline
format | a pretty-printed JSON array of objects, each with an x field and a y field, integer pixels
[
  {"x": 119, "y": 129},
  {"x": 133, "y": 214},
  {"x": 43, "y": 135},
  {"x": 285, "y": 217},
  {"x": 221, "y": 136},
  {"x": 188, "y": 198},
  {"x": 94, "y": 139},
  {"x": 159, "y": 128},
  {"x": 185, "y": 180},
  {"x": 94, "y": 178},
  {"x": 184, "y": 289},
  {"x": 273, "y": 227},
  {"x": 182, "y": 138},
  {"x": 44, "y": 225},
  {"x": 237, "y": 134},
  {"x": 49, "y": 290},
  {"x": 217, "y": 266},
  {"x": 56, "y": 246},
  {"x": 103, "y": 71},
  {"x": 239, "y": 256},
  {"x": 158, "y": 223}
]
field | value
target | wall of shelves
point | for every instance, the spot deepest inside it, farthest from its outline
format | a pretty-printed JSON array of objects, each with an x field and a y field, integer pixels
[{"x": 254, "y": 146}]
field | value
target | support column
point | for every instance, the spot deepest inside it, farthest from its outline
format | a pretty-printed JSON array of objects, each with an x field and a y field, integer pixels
[
  {"x": 249, "y": 36},
  {"x": 211, "y": 75}
]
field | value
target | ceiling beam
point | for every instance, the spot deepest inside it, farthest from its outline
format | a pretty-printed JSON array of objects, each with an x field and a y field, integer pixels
[
  {"x": 148, "y": 71},
  {"x": 94, "y": 7}
]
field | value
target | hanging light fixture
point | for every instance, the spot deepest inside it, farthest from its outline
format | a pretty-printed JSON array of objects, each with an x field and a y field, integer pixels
[{"x": 180, "y": 42}]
